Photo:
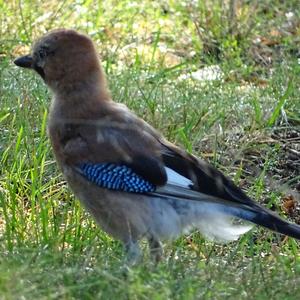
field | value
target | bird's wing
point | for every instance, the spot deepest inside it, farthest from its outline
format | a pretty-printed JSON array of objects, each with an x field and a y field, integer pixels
[
  {"x": 114, "y": 156},
  {"x": 204, "y": 178},
  {"x": 132, "y": 159}
]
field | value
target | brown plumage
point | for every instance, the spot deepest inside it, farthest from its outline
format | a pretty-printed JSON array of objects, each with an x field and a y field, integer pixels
[{"x": 87, "y": 127}]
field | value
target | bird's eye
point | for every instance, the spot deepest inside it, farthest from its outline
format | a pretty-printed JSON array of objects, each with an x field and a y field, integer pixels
[{"x": 42, "y": 53}]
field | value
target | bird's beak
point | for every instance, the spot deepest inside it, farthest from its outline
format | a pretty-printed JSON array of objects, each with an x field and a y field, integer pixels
[{"x": 24, "y": 61}]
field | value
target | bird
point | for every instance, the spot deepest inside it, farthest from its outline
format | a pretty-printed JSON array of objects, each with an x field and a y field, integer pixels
[{"x": 135, "y": 183}]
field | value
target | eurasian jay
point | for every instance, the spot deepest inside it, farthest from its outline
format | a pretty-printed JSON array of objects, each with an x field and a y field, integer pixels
[{"x": 135, "y": 183}]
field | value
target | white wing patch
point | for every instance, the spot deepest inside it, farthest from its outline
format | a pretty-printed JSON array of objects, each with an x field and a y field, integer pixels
[{"x": 177, "y": 179}]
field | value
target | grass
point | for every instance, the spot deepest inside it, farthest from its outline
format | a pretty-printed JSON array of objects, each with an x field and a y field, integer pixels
[{"x": 246, "y": 123}]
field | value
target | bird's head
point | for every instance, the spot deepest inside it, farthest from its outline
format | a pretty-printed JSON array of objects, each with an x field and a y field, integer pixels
[{"x": 63, "y": 58}]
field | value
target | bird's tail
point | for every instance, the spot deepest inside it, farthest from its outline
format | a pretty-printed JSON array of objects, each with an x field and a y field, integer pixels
[
  {"x": 213, "y": 216},
  {"x": 268, "y": 219}
]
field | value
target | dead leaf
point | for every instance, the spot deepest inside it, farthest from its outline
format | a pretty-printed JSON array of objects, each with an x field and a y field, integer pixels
[{"x": 289, "y": 204}]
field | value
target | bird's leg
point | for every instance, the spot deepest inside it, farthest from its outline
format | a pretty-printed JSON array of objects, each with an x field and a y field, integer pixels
[
  {"x": 156, "y": 250},
  {"x": 133, "y": 253}
]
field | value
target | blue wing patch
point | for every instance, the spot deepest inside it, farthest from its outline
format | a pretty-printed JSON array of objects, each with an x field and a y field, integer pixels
[{"x": 115, "y": 177}]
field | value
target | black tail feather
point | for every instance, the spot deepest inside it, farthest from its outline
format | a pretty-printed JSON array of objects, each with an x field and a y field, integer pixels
[
  {"x": 269, "y": 220},
  {"x": 251, "y": 211}
]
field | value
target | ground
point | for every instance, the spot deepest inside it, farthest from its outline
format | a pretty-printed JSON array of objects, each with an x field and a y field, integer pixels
[{"x": 219, "y": 78}]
